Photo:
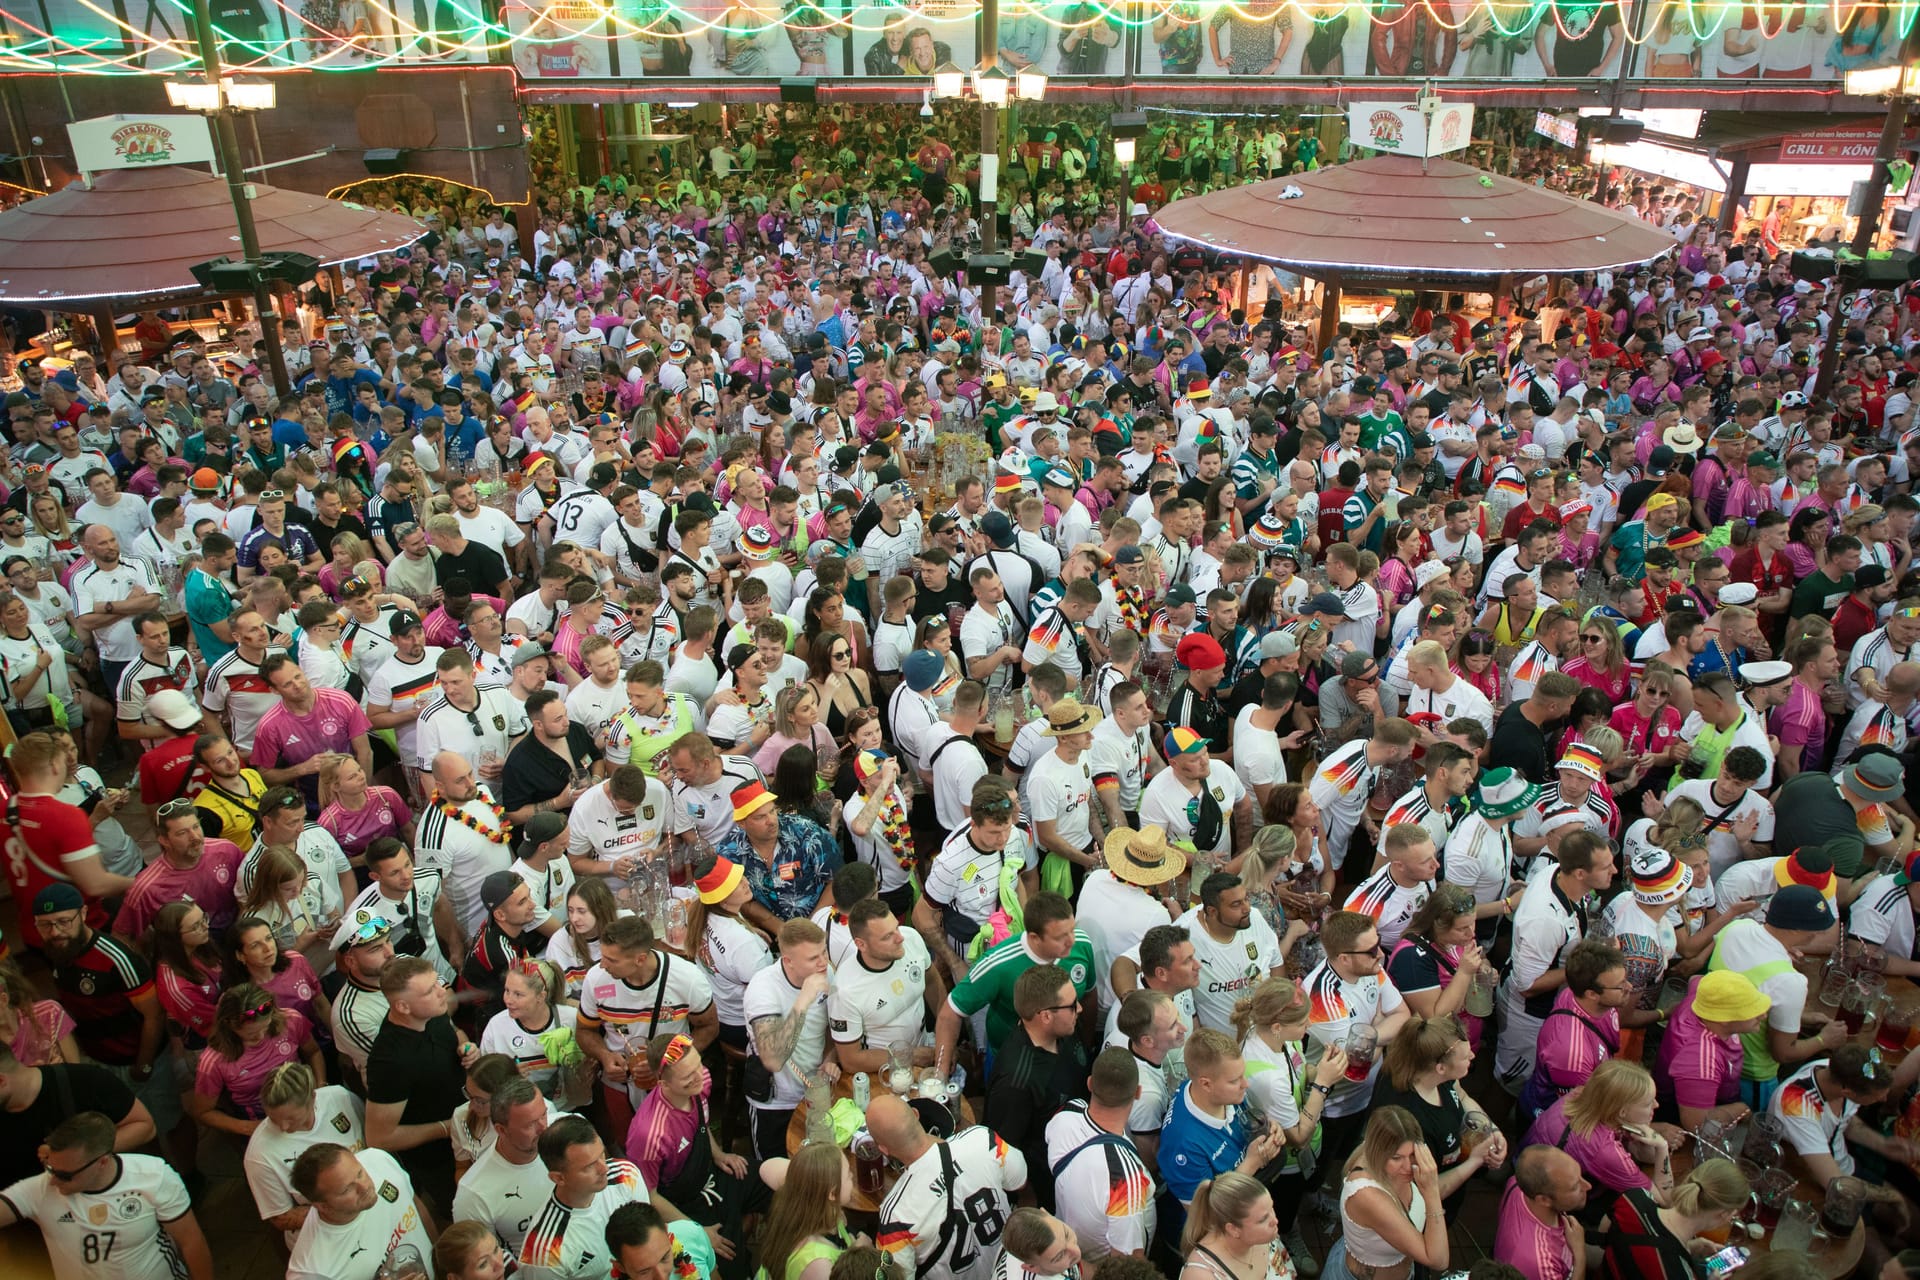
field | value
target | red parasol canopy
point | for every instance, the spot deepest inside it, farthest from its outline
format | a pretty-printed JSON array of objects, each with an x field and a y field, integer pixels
[
  {"x": 137, "y": 234},
  {"x": 1387, "y": 216}
]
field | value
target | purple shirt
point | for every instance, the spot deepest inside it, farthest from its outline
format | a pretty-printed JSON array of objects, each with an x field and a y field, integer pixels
[
  {"x": 285, "y": 738},
  {"x": 209, "y": 883},
  {"x": 1521, "y": 1240},
  {"x": 1602, "y": 1154},
  {"x": 294, "y": 988},
  {"x": 1698, "y": 1068},
  {"x": 384, "y": 814},
  {"x": 1568, "y": 1051},
  {"x": 242, "y": 1078}
]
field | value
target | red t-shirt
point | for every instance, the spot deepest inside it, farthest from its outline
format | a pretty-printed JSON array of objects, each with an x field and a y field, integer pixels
[
  {"x": 52, "y": 835},
  {"x": 165, "y": 771},
  {"x": 1851, "y": 621}
]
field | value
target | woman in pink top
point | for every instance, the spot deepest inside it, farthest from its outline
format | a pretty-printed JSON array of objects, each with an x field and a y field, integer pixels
[
  {"x": 253, "y": 956},
  {"x": 38, "y": 1032},
  {"x": 1578, "y": 543},
  {"x": 186, "y": 968},
  {"x": 1602, "y": 663},
  {"x": 796, "y": 722},
  {"x": 349, "y": 552},
  {"x": 1396, "y": 568},
  {"x": 357, "y": 814},
  {"x": 1607, "y": 1125},
  {"x": 1649, "y": 725},
  {"x": 252, "y": 1037}
]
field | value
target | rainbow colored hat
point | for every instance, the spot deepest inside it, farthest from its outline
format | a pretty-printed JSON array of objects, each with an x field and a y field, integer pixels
[{"x": 1184, "y": 741}]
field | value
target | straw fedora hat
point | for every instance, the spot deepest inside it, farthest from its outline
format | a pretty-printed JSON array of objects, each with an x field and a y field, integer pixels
[
  {"x": 1069, "y": 716},
  {"x": 1143, "y": 857}
]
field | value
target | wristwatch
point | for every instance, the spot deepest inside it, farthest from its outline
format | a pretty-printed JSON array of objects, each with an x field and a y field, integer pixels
[{"x": 1324, "y": 1090}]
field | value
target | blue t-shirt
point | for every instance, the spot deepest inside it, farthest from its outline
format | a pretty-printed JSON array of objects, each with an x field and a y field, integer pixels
[
  {"x": 207, "y": 603},
  {"x": 1194, "y": 1147}
]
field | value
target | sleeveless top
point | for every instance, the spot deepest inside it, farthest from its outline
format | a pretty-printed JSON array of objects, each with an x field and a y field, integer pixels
[
  {"x": 1365, "y": 1244},
  {"x": 835, "y": 719}
]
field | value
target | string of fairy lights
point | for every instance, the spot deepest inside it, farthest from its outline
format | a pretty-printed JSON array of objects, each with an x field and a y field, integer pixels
[{"x": 468, "y": 34}]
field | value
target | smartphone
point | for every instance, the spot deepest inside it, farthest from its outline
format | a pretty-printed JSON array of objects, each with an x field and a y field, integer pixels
[{"x": 1728, "y": 1259}]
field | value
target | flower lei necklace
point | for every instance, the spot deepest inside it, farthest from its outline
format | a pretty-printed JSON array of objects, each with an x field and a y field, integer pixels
[
  {"x": 460, "y": 815},
  {"x": 893, "y": 825},
  {"x": 1132, "y": 603}
]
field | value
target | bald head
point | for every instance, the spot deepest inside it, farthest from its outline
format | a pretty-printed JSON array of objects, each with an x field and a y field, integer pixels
[
  {"x": 894, "y": 1126},
  {"x": 453, "y": 776},
  {"x": 1552, "y": 1177},
  {"x": 1904, "y": 680}
]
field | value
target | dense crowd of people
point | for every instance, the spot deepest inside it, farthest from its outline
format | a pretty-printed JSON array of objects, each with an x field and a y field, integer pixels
[{"x": 594, "y": 812}]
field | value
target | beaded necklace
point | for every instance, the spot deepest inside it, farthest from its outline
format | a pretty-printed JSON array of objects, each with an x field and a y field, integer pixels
[{"x": 459, "y": 814}]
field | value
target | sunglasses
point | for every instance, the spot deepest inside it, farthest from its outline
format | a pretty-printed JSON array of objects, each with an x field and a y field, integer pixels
[
  {"x": 174, "y": 807},
  {"x": 1373, "y": 950},
  {"x": 1593, "y": 639},
  {"x": 375, "y": 927},
  {"x": 254, "y": 1013},
  {"x": 68, "y": 1175}
]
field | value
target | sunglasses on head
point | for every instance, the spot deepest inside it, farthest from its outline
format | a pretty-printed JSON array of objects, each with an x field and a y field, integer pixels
[{"x": 253, "y": 1013}]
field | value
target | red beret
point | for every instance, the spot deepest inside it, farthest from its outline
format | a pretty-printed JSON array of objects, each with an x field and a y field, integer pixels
[{"x": 1199, "y": 652}]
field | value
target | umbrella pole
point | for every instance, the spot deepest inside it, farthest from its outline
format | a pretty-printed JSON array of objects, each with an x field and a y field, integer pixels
[
  {"x": 109, "y": 334},
  {"x": 1329, "y": 310}
]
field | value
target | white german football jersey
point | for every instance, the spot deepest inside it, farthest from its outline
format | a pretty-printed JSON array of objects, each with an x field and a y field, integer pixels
[
  {"x": 338, "y": 1116},
  {"x": 116, "y": 1234},
  {"x": 356, "y": 1250},
  {"x": 878, "y": 1010},
  {"x": 565, "y": 1243},
  {"x": 596, "y": 830}
]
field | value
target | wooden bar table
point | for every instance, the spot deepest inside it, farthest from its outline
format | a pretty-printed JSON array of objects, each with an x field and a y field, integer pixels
[
  {"x": 861, "y": 1202},
  {"x": 1834, "y": 1258}
]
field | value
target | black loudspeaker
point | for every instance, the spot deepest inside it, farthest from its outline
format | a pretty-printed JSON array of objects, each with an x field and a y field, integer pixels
[
  {"x": 382, "y": 161},
  {"x": 228, "y": 276},
  {"x": 798, "y": 89},
  {"x": 987, "y": 269},
  {"x": 1032, "y": 262},
  {"x": 944, "y": 262},
  {"x": 1814, "y": 268}
]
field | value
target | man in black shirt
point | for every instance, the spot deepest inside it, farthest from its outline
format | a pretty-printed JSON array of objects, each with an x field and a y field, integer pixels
[
  {"x": 331, "y": 519},
  {"x": 35, "y": 1099},
  {"x": 416, "y": 1076},
  {"x": 1197, "y": 706},
  {"x": 1041, "y": 1067},
  {"x": 940, "y": 587},
  {"x": 553, "y": 765},
  {"x": 462, "y": 557},
  {"x": 1521, "y": 734},
  {"x": 504, "y": 941}
]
